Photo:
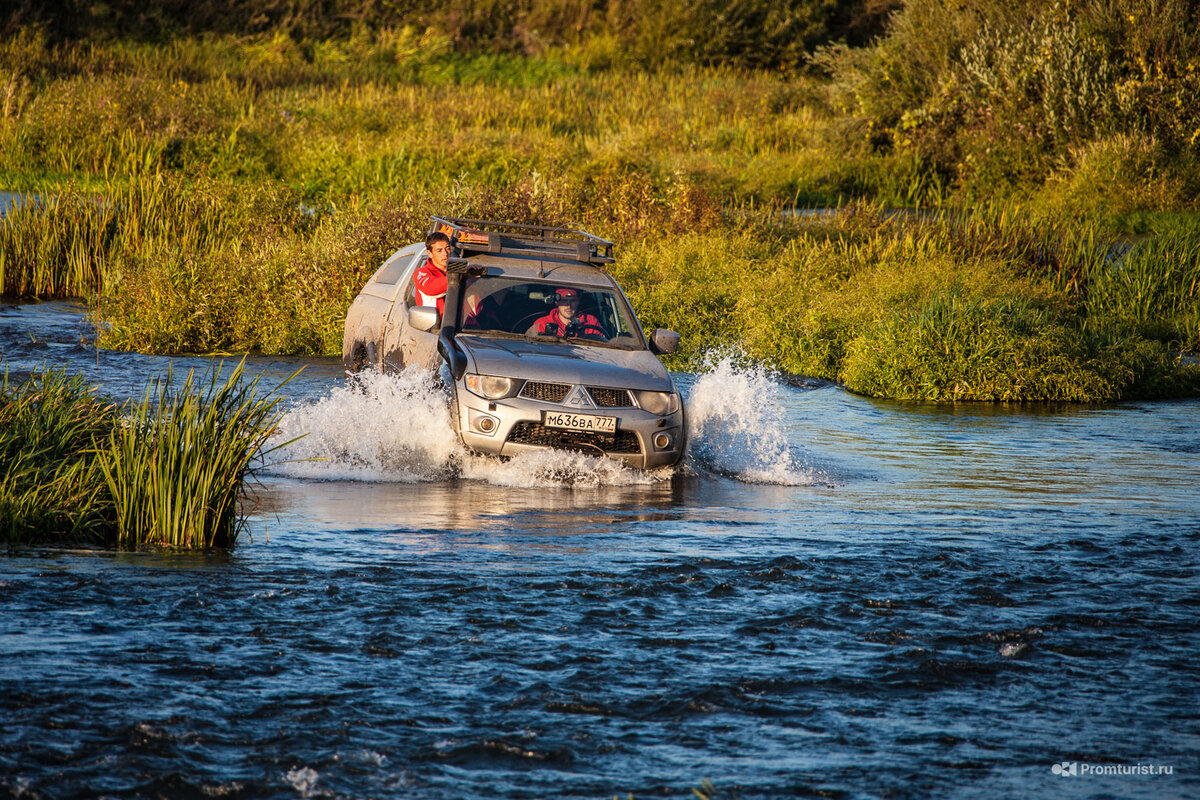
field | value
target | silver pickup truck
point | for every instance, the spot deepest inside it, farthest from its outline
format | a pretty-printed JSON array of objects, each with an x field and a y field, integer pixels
[{"x": 541, "y": 345}]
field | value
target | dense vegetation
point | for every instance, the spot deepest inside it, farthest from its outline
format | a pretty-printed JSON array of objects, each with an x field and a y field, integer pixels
[
  {"x": 169, "y": 471},
  {"x": 226, "y": 179}
]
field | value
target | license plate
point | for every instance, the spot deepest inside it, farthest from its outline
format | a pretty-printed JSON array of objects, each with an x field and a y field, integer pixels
[{"x": 579, "y": 422}]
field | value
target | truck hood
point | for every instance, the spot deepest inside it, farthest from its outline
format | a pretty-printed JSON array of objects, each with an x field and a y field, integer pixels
[{"x": 562, "y": 362}]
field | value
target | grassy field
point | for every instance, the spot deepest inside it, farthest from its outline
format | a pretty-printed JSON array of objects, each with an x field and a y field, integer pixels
[{"x": 226, "y": 193}]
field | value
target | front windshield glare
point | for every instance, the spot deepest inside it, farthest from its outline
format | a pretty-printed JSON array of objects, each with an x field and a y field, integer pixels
[{"x": 585, "y": 315}]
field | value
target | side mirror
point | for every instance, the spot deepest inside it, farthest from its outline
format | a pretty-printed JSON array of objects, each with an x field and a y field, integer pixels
[
  {"x": 423, "y": 318},
  {"x": 663, "y": 341}
]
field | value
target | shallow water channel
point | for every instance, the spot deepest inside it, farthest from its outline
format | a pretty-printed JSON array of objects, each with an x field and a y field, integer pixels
[{"x": 835, "y": 597}]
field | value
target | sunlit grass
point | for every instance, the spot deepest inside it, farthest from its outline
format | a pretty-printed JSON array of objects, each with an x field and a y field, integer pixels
[
  {"x": 176, "y": 467},
  {"x": 976, "y": 304},
  {"x": 199, "y": 159}
]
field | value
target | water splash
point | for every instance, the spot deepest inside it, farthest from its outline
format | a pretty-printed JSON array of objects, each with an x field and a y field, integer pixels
[
  {"x": 397, "y": 428},
  {"x": 303, "y": 780},
  {"x": 736, "y": 425},
  {"x": 393, "y": 428}
]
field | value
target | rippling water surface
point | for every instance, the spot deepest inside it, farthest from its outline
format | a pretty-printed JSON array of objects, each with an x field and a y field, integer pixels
[{"x": 834, "y": 597}]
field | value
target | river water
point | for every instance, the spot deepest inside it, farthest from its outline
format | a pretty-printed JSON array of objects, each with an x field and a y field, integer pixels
[{"x": 833, "y": 597}]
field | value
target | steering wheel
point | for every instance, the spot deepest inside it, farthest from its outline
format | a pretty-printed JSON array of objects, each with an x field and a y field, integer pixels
[{"x": 527, "y": 321}]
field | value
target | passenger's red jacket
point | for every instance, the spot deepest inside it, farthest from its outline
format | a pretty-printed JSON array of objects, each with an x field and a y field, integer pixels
[{"x": 431, "y": 286}]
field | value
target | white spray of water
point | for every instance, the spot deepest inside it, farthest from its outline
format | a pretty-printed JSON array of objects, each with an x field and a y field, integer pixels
[
  {"x": 373, "y": 428},
  {"x": 735, "y": 424},
  {"x": 396, "y": 428},
  {"x": 303, "y": 779}
]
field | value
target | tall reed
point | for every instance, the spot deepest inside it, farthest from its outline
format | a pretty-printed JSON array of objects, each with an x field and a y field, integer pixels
[
  {"x": 50, "y": 488},
  {"x": 73, "y": 242},
  {"x": 177, "y": 467}
]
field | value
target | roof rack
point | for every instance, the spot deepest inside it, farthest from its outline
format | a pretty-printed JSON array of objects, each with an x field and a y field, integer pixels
[{"x": 484, "y": 236}]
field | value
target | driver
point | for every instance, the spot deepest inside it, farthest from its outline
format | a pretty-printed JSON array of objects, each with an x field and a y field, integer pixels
[{"x": 566, "y": 321}]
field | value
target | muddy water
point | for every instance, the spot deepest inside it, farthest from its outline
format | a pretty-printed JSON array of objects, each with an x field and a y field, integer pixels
[{"x": 834, "y": 597}]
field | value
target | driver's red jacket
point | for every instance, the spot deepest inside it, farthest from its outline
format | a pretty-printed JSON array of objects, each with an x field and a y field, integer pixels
[{"x": 582, "y": 325}]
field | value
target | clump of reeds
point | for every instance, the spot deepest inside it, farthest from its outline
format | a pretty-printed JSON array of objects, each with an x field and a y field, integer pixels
[
  {"x": 176, "y": 467},
  {"x": 73, "y": 243},
  {"x": 167, "y": 472},
  {"x": 50, "y": 487}
]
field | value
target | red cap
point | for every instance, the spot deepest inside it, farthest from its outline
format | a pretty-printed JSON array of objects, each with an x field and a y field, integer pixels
[{"x": 566, "y": 293}]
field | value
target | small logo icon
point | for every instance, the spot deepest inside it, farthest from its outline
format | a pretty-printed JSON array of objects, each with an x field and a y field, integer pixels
[
  {"x": 579, "y": 398},
  {"x": 1065, "y": 769}
]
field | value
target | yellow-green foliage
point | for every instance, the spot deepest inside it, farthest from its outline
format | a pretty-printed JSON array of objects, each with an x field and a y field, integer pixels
[
  {"x": 966, "y": 306},
  {"x": 235, "y": 193},
  {"x": 72, "y": 243},
  {"x": 333, "y": 126},
  {"x": 1153, "y": 290},
  {"x": 955, "y": 348},
  {"x": 997, "y": 97}
]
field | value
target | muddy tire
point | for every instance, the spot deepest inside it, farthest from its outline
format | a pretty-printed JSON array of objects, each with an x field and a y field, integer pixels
[{"x": 362, "y": 356}]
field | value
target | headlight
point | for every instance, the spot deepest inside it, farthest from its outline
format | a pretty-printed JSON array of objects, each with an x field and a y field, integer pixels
[
  {"x": 658, "y": 402},
  {"x": 489, "y": 386}
]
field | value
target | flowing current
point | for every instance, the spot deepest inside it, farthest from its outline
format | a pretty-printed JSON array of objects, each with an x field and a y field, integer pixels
[{"x": 830, "y": 597}]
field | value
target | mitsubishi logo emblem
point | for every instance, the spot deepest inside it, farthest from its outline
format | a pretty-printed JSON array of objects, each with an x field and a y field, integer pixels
[{"x": 579, "y": 398}]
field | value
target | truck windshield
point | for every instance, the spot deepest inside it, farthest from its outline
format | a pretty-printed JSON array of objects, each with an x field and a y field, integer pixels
[{"x": 583, "y": 314}]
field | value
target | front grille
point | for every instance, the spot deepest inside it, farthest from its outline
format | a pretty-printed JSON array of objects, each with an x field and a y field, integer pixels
[
  {"x": 547, "y": 392},
  {"x": 537, "y": 434},
  {"x": 610, "y": 398}
]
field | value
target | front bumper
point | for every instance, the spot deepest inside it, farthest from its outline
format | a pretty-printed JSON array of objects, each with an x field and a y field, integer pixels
[{"x": 516, "y": 427}]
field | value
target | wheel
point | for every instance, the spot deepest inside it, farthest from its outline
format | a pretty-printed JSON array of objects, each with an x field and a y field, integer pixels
[{"x": 362, "y": 356}]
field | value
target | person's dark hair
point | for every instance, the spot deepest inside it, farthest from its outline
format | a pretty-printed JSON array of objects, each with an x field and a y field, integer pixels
[{"x": 434, "y": 238}]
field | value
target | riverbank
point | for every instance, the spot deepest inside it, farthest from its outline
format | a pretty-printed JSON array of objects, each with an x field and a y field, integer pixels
[{"x": 230, "y": 195}]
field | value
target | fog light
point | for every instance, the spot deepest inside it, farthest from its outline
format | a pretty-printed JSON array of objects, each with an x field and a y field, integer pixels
[
  {"x": 484, "y": 423},
  {"x": 662, "y": 441}
]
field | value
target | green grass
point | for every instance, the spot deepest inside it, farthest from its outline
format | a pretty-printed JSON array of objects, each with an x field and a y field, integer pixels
[
  {"x": 50, "y": 487},
  {"x": 176, "y": 467},
  {"x": 973, "y": 305},
  {"x": 177, "y": 176},
  {"x": 168, "y": 471}
]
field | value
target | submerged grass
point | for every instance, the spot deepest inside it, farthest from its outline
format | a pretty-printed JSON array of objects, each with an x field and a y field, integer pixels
[{"x": 75, "y": 468}]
